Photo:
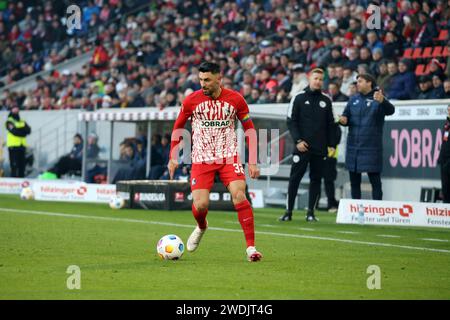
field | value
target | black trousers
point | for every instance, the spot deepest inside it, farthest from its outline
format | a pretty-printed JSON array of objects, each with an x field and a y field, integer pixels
[
  {"x": 329, "y": 176},
  {"x": 298, "y": 169},
  {"x": 66, "y": 164},
  {"x": 17, "y": 161},
  {"x": 375, "y": 181},
  {"x": 445, "y": 180}
]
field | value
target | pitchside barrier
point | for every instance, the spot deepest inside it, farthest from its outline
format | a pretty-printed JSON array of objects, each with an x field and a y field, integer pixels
[
  {"x": 169, "y": 195},
  {"x": 394, "y": 213},
  {"x": 156, "y": 194}
]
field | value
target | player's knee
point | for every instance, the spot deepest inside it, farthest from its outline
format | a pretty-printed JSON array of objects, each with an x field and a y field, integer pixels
[
  {"x": 201, "y": 205},
  {"x": 238, "y": 196}
]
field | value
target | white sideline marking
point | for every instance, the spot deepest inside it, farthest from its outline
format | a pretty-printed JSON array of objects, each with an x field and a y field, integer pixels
[
  {"x": 306, "y": 229},
  {"x": 348, "y": 232},
  {"x": 68, "y": 215},
  {"x": 436, "y": 240},
  {"x": 387, "y": 236}
]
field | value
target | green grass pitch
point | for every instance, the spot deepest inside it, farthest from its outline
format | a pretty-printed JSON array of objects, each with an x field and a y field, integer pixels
[{"x": 116, "y": 253}]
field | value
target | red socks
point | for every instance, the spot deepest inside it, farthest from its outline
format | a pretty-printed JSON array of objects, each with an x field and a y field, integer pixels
[
  {"x": 245, "y": 216},
  {"x": 200, "y": 217}
]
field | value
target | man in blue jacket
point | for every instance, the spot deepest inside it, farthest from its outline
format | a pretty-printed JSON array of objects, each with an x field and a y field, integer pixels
[
  {"x": 403, "y": 84},
  {"x": 364, "y": 115}
]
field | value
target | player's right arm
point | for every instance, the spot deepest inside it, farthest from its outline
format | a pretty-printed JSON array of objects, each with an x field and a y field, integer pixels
[{"x": 183, "y": 116}]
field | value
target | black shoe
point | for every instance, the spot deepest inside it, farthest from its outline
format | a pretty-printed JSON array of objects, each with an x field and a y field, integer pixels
[
  {"x": 310, "y": 217},
  {"x": 286, "y": 217}
]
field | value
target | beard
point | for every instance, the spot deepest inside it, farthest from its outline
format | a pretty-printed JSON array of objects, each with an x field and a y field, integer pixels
[{"x": 207, "y": 92}]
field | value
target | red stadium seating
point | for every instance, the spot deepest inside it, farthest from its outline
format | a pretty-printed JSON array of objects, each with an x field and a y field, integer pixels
[
  {"x": 420, "y": 70},
  {"x": 437, "y": 52},
  {"x": 417, "y": 53},
  {"x": 445, "y": 52},
  {"x": 443, "y": 35},
  {"x": 408, "y": 53},
  {"x": 427, "y": 53}
]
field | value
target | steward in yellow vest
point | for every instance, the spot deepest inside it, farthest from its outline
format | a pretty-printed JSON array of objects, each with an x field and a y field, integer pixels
[{"x": 17, "y": 130}]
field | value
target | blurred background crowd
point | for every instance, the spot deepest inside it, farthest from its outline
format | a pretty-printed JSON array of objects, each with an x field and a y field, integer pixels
[{"x": 146, "y": 53}]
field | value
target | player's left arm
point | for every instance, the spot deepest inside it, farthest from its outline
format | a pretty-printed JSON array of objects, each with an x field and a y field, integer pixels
[
  {"x": 182, "y": 118},
  {"x": 243, "y": 114}
]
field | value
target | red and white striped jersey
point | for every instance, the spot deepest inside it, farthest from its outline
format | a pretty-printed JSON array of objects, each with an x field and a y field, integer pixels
[{"x": 213, "y": 124}]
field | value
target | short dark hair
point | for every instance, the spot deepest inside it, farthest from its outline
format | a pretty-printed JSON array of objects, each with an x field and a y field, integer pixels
[
  {"x": 335, "y": 83},
  {"x": 212, "y": 67},
  {"x": 369, "y": 78}
]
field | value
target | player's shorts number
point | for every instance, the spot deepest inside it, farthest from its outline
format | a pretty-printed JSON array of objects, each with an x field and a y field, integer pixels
[{"x": 238, "y": 168}]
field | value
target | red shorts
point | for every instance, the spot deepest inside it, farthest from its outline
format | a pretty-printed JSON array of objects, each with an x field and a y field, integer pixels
[{"x": 202, "y": 175}]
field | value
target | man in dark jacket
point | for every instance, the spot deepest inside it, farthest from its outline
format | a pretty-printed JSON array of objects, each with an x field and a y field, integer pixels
[
  {"x": 444, "y": 159},
  {"x": 17, "y": 130},
  {"x": 426, "y": 88},
  {"x": 364, "y": 115},
  {"x": 427, "y": 31},
  {"x": 68, "y": 162},
  {"x": 311, "y": 124},
  {"x": 447, "y": 88},
  {"x": 334, "y": 90},
  {"x": 403, "y": 84},
  {"x": 330, "y": 172}
]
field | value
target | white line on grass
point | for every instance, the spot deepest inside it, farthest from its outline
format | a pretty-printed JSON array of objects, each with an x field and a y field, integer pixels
[
  {"x": 306, "y": 229},
  {"x": 68, "y": 215},
  {"x": 435, "y": 240},
  {"x": 387, "y": 236},
  {"x": 348, "y": 232}
]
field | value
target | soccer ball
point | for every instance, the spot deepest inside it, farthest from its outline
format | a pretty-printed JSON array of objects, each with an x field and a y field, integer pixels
[
  {"x": 170, "y": 247},
  {"x": 116, "y": 202},
  {"x": 26, "y": 194}
]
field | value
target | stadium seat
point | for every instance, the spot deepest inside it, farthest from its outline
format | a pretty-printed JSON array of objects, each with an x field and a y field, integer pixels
[
  {"x": 437, "y": 52},
  {"x": 427, "y": 53},
  {"x": 420, "y": 70},
  {"x": 445, "y": 52},
  {"x": 408, "y": 53},
  {"x": 443, "y": 35},
  {"x": 417, "y": 53}
]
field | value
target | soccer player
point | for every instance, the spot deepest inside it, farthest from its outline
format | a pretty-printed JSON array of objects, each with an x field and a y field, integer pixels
[{"x": 213, "y": 111}]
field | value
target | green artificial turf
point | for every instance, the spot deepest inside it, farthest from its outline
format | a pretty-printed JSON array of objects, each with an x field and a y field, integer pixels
[{"x": 116, "y": 253}]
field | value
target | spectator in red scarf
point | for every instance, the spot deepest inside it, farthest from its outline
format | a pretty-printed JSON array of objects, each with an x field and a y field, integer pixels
[{"x": 99, "y": 60}]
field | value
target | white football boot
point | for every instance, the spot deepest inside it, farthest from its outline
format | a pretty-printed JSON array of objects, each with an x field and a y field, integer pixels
[
  {"x": 194, "y": 238},
  {"x": 253, "y": 255}
]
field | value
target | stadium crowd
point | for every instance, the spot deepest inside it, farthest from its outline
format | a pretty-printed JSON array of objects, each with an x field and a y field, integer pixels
[{"x": 265, "y": 49}]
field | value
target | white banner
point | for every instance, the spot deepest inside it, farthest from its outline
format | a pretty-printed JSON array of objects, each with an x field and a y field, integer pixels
[
  {"x": 257, "y": 198},
  {"x": 73, "y": 191},
  {"x": 395, "y": 213},
  {"x": 13, "y": 185}
]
